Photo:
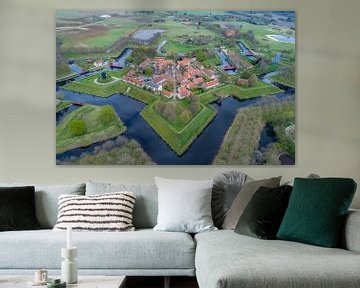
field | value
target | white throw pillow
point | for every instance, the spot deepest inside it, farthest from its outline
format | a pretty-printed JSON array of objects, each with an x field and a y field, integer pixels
[
  {"x": 105, "y": 212},
  {"x": 184, "y": 205}
]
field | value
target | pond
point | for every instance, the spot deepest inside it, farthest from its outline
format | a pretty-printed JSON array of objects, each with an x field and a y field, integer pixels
[
  {"x": 282, "y": 38},
  {"x": 146, "y": 34},
  {"x": 267, "y": 136}
]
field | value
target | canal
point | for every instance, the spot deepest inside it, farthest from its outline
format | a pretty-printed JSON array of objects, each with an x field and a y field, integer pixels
[{"x": 201, "y": 152}]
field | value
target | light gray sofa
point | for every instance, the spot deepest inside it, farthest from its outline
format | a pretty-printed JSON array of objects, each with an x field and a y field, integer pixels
[
  {"x": 226, "y": 259},
  {"x": 220, "y": 259}
]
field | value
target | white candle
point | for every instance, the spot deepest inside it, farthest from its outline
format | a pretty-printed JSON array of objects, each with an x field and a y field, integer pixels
[{"x": 69, "y": 237}]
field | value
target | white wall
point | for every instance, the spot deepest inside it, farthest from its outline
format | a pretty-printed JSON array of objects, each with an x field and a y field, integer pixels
[{"x": 328, "y": 91}]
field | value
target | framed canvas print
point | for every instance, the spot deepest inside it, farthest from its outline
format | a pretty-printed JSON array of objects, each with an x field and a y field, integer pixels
[{"x": 175, "y": 87}]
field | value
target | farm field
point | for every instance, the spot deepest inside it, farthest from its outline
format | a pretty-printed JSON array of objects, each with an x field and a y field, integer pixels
[{"x": 162, "y": 79}]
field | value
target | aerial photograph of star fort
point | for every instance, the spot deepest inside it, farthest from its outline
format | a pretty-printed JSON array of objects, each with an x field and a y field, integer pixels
[{"x": 175, "y": 87}]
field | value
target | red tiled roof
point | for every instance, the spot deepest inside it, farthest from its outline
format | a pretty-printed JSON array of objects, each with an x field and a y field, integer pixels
[
  {"x": 198, "y": 80},
  {"x": 185, "y": 61},
  {"x": 212, "y": 83},
  {"x": 133, "y": 80},
  {"x": 184, "y": 92},
  {"x": 166, "y": 93}
]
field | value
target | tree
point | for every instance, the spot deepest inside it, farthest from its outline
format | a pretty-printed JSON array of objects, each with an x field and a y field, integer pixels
[
  {"x": 251, "y": 36},
  {"x": 201, "y": 55},
  {"x": 287, "y": 72},
  {"x": 77, "y": 127},
  {"x": 107, "y": 115},
  {"x": 252, "y": 80},
  {"x": 194, "y": 105},
  {"x": 185, "y": 116},
  {"x": 103, "y": 75},
  {"x": 263, "y": 67},
  {"x": 159, "y": 107},
  {"x": 169, "y": 112},
  {"x": 245, "y": 74},
  {"x": 225, "y": 78},
  {"x": 148, "y": 71}
]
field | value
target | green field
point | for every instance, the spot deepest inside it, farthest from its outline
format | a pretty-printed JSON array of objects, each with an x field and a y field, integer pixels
[
  {"x": 175, "y": 29},
  {"x": 178, "y": 140},
  {"x": 96, "y": 131},
  {"x": 99, "y": 34},
  {"x": 88, "y": 86}
]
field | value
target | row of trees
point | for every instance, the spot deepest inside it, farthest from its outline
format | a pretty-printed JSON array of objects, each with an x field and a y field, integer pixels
[
  {"x": 120, "y": 151},
  {"x": 141, "y": 53},
  {"x": 240, "y": 144},
  {"x": 241, "y": 139}
]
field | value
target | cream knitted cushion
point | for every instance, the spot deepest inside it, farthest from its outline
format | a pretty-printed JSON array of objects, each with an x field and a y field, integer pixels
[{"x": 105, "y": 212}]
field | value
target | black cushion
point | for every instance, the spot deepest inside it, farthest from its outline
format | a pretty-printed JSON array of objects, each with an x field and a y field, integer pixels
[
  {"x": 17, "y": 208},
  {"x": 263, "y": 214}
]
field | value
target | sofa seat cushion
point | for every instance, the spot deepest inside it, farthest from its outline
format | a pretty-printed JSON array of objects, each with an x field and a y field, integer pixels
[
  {"x": 142, "y": 249},
  {"x": 225, "y": 259}
]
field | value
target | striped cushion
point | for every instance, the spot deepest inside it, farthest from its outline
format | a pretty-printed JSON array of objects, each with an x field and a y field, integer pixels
[{"x": 105, "y": 212}]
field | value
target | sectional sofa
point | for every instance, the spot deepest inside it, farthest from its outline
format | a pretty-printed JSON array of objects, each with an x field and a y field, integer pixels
[{"x": 219, "y": 259}]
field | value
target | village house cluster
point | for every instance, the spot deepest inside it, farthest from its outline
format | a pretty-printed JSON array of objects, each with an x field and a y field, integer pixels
[{"x": 172, "y": 79}]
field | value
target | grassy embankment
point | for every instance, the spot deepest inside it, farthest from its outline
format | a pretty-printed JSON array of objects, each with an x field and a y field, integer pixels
[
  {"x": 242, "y": 138},
  {"x": 63, "y": 104},
  {"x": 96, "y": 130},
  {"x": 178, "y": 137},
  {"x": 242, "y": 93},
  {"x": 283, "y": 80},
  {"x": 88, "y": 86}
]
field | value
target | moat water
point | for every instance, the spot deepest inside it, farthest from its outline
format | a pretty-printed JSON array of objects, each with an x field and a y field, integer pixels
[{"x": 201, "y": 152}]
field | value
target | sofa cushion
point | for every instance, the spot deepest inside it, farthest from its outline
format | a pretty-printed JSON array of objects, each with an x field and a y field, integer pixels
[
  {"x": 225, "y": 259},
  {"x": 46, "y": 200},
  {"x": 146, "y": 205},
  {"x": 142, "y": 249},
  {"x": 243, "y": 198},
  {"x": 263, "y": 215},
  {"x": 105, "y": 212},
  {"x": 225, "y": 189},
  {"x": 317, "y": 210},
  {"x": 17, "y": 208},
  {"x": 184, "y": 205},
  {"x": 351, "y": 236}
]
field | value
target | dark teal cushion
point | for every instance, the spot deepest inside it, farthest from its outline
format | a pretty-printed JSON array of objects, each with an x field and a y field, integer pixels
[{"x": 316, "y": 211}]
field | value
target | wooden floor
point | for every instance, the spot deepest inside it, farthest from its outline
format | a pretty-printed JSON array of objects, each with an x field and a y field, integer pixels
[{"x": 158, "y": 282}]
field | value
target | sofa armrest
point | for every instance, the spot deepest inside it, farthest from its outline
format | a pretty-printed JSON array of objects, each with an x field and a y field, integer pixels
[{"x": 351, "y": 235}]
